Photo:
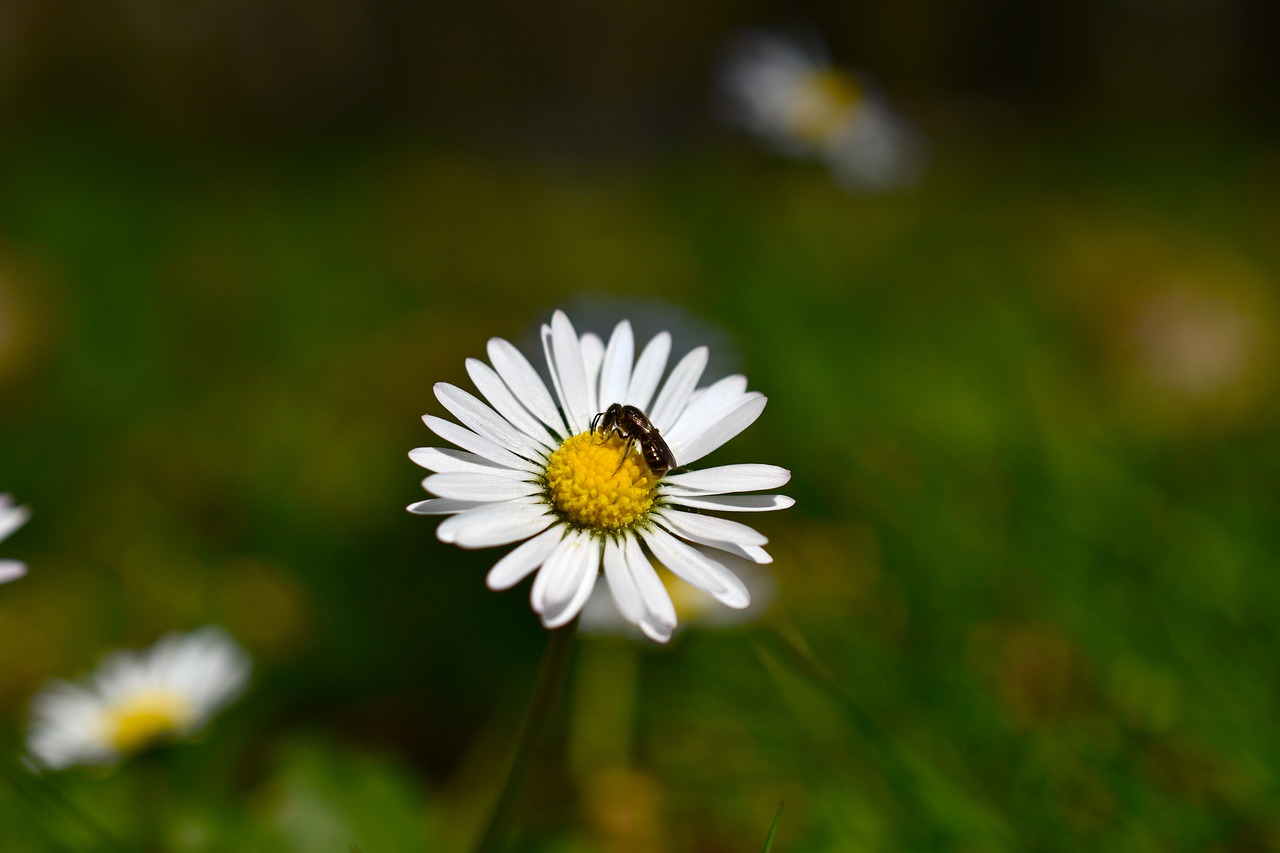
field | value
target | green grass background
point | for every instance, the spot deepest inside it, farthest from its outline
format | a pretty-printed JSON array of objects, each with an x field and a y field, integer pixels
[{"x": 1027, "y": 598}]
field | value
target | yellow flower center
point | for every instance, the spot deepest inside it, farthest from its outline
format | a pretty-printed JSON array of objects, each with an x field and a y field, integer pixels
[
  {"x": 596, "y": 484},
  {"x": 824, "y": 105},
  {"x": 141, "y": 720}
]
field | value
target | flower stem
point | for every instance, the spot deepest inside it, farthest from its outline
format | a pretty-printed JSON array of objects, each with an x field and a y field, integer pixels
[
  {"x": 603, "y": 707},
  {"x": 551, "y": 678}
]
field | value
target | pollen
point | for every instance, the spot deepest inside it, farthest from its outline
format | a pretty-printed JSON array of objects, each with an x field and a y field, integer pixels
[
  {"x": 141, "y": 720},
  {"x": 596, "y": 484}
]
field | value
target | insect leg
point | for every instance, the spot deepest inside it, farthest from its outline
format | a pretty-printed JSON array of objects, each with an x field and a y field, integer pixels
[{"x": 626, "y": 451}]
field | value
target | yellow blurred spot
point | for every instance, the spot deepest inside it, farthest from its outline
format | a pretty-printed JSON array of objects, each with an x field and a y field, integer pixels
[
  {"x": 625, "y": 812},
  {"x": 1186, "y": 329},
  {"x": 264, "y": 606},
  {"x": 1035, "y": 670}
]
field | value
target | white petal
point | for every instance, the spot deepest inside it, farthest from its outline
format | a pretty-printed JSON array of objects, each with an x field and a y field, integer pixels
[
  {"x": 626, "y": 595},
  {"x": 490, "y": 384},
  {"x": 443, "y": 506},
  {"x": 648, "y": 372},
  {"x": 706, "y": 406},
  {"x": 11, "y": 517},
  {"x": 466, "y": 486},
  {"x": 675, "y": 393},
  {"x": 751, "y": 553},
  {"x": 697, "y": 568},
  {"x": 442, "y": 459},
  {"x": 727, "y": 478},
  {"x": 484, "y": 421},
  {"x": 525, "y": 383},
  {"x": 11, "y": 570},
  {"x": 495, "y": 524},
  {"x": 478, "y": 444},
  {"x": 558, "y": 590},
  {"x": 592, "y": 356},
  {"x": 561, "y": 586},
  {"x": 708, "y": 529},
  {"x": 759, "y": 581},
  {"x": 732, "y": 503},
  {"x": 518, "y": 564},
  {"x": 564, "y": 601},
  {"x": 756, "y": 554},
  {"x": 555, "y": 565},
  {"x": 568, "y": 372},
  {"x": 877, "y": 151},
  {"x": 726, "y": 386},
  {"x": 694, "y": 448},
  {"x": 206, "y": 665},
  {"x": 660, "y": 614},
  {"x": 615, "y": 373}
]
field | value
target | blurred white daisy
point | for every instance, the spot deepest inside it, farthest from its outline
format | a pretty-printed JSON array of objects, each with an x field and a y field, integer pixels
[
  {"x": 11, "y": 518},
  {"x": 533, "y": 468},
  {"x": 136, "y": 699},
  {"x": 790, "y": 95}
]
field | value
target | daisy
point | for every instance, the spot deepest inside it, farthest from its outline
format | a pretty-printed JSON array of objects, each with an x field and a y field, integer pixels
[
  {"x": 532, "y": 469},
  {"x": 791, "y": 96},
  {"x": 136, "y": 699},
  {"x": 11, "y": 518}
]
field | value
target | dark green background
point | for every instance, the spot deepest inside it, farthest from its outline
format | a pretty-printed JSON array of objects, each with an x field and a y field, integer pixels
[{"x": 1027, "y": 599}]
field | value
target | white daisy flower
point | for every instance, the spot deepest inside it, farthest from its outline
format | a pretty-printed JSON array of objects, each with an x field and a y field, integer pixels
[
  {"x": 549, "y": 472},
  {"x": 11, "y": 518},
  {"x": 791, "y": 96},
  {"x": 136, "y": 699}
]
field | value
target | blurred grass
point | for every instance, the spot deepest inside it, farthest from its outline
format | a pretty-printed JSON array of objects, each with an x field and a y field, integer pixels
[{"x": 1039, "y": 590}]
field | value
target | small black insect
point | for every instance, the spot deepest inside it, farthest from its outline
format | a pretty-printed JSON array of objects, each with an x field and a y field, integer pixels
[{"x": 635, "y": 426}]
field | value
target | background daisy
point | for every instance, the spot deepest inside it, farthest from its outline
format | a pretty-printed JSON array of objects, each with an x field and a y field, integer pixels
[
  {"x": 136, "y": 699},
  {"x": 787, "y": 92}
]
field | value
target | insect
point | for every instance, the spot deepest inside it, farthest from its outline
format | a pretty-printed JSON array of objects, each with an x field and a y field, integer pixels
[{"x": 635, "y": 426}]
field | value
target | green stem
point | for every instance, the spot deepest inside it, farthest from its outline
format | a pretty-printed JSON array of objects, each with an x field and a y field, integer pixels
[
  {"x": 551, "y": 678},
  {"x": 153, "y": 795},
  {"x": 603, "y": 707}
]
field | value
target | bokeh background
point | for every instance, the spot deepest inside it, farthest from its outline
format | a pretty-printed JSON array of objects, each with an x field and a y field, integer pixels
[{"x": 1027, "y": 600}]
